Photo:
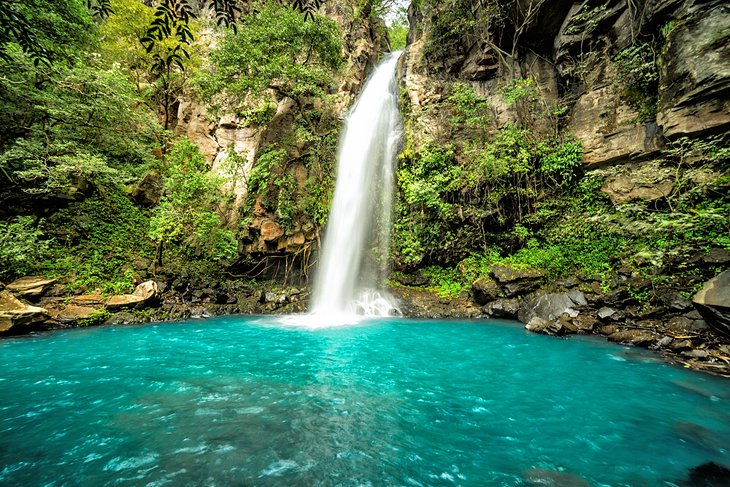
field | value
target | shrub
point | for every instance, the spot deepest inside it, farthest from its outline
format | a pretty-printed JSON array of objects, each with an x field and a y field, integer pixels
[{"x": 22, "y": 247}]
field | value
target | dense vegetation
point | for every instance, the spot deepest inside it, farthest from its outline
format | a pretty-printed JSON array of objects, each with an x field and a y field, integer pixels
[{"x": 88, "y": 96}]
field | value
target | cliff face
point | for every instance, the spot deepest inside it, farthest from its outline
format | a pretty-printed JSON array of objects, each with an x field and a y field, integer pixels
[
  {"x": 275, "y": 245},
  {"x": 574, "y": 52}
]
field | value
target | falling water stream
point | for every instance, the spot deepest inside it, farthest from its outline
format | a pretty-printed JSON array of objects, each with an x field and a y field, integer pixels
[{"x": 348, "y": 276}]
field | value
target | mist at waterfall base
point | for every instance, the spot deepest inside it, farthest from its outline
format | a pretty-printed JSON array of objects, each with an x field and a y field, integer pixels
[
  {"x": 246, "y": 401},
  {"x": 353, "y": 260}
]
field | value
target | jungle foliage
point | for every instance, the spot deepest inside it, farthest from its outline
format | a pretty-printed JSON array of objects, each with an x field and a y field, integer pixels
[
  {"x": 86, "y": 93},
  {"x": 274, "y": 49}
]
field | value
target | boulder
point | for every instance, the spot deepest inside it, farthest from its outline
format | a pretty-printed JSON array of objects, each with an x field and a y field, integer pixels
[
  {"x": 143, "y": 293},
  {"x": 634, "y": 337},
  {"x": 578, "y": 297},
  {"x": 30, "y": 286},
  {"x": 506, "y": 273},
  {"x": 15, "y": 314},
  {"x": 517, "y": 288},
  {"x": 605, "y": 313},
  {"x": 585, "y": 323},
  {"x": 502, "y": 308},
  {"x": 485, "y": 290},
  {"x": 147, "y": 290},
  {"x": 713, "y": 303},
  {"x": 679, "y": 323},
  {"x": 539, "y": 325},
  {"x": 149, "y": 190},
  {"x": 548, "y": 307},
  {"x": 73, "y": 313},
  {"x": 270, "y": 231}
]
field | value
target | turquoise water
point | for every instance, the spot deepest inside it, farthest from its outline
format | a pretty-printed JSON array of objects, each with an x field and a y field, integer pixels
[{"x": 246, "y": 401}]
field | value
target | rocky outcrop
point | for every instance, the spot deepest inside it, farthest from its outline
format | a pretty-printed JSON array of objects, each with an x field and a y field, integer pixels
[
  {"x": 274, "y": 245},
  {"x": 148, "y": 191},
  {"x": 695, "y": 73},
  {"x": 18, "y": 317},
  {"x": 143, "y": 293},
  {"x": 30, "y": 286},
  {"x": 713, "y": 303},
  {"x": 570, "y": 48}
]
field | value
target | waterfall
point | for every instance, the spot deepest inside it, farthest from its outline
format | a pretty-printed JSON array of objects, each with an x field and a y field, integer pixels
[{"x": 348, "y": 275}]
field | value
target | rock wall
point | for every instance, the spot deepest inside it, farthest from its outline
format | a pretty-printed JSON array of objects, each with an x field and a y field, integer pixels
[
  {"x": 271, "y": 250},
  {"x": 570, "y": 48}
]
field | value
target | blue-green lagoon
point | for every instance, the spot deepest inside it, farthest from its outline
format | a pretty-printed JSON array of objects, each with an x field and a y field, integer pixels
[{"x": 252, "y": 401}]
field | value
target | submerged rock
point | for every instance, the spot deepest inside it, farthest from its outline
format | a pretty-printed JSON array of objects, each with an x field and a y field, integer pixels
[
  {"x": 708, "y": 474},
  {"x": 543, "y": 477},
  {"x": 699, "y": 436}
]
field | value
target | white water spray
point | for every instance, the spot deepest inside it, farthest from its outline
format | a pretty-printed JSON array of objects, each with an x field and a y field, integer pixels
[{"x": 360, "y": 218}]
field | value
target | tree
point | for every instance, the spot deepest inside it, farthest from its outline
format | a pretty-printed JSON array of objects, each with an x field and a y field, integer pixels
[
  {"x": 24, "y": 22},
  {"x": 274, "y": 49},
  {"x": 63, "y": 124},
  {"x": 44, "y": 30},
  {"x": 68, "y": 119}
]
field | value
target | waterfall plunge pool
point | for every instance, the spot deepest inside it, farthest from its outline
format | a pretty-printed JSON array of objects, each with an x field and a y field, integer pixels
[{"x": 249, "y": 401}]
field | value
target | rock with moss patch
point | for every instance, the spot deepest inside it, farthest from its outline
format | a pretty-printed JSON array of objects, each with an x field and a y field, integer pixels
[
  {"x": 149, "y": 190},
  {"x": 505, "y": 274},
  {"x": 485, "y": 290},
  {"x": 72, "y": 313}
]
